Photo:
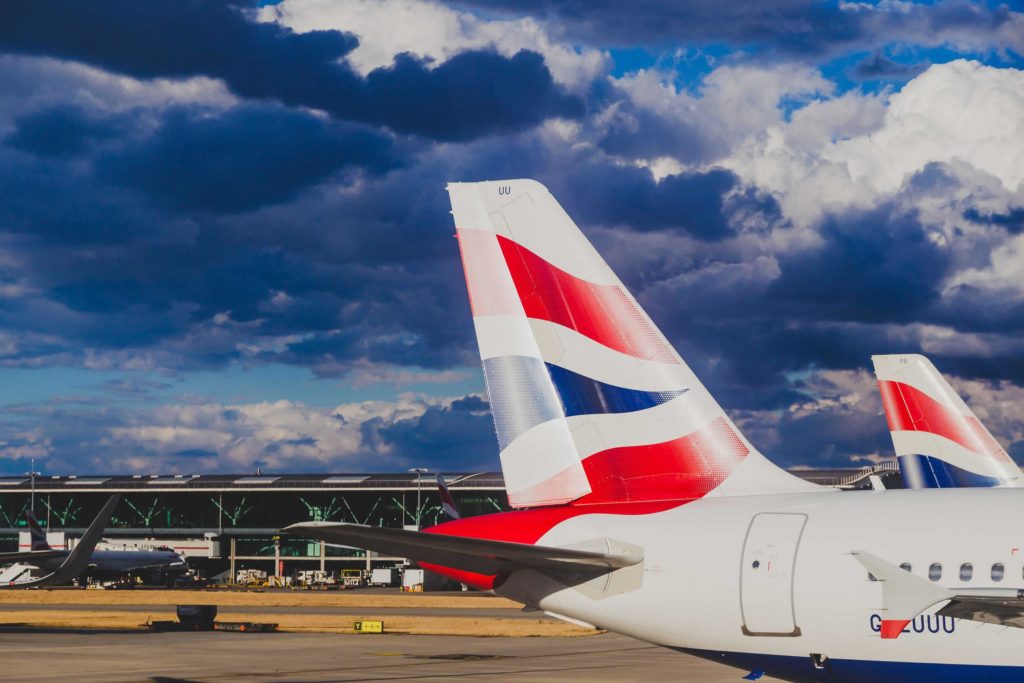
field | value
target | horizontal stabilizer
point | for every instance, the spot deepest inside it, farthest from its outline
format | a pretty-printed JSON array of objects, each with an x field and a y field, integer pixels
[
  {"x": 468, "y": 554},
  {"x": 904, "y": 596}
]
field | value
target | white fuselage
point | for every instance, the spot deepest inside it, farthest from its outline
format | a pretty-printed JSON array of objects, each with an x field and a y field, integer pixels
[{"x": 689, "y": 594}]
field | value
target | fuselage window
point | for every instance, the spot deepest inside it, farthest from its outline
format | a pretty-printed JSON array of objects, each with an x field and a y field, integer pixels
[
  {"x": 935, "y": 572},
  {"x": 966, "y": 571},
  {"x": 906, "y": 567},
  {"x": 998, "y": 571}
]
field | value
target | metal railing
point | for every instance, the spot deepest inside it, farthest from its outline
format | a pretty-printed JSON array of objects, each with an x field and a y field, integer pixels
[{"x": 865, "y": 472}]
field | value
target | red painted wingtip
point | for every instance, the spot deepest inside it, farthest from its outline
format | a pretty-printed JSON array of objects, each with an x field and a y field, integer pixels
[{"x": 892, "y": 628}]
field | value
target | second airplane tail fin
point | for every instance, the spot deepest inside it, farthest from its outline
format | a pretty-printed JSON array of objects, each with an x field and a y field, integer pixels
[
  {"x": 447, "y": 501},
  {"x": 939, "y": 442},
  {"x": 36, "y": 532}
]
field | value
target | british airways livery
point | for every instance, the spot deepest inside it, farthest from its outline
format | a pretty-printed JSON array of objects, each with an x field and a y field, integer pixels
[
  {"x": 642, "y": 508},
  {"x": 939, "y": 441}
]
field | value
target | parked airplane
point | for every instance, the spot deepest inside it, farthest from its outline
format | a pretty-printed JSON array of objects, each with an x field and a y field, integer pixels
[
  {"x": 939, "y": 441},
  {"x": 74, "y": 563},
  {"x": 152, "y": 566},
  {"x": 645, "y": 511}
]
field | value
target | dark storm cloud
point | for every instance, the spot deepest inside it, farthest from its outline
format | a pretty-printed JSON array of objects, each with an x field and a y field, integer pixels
[
  {"x": 472, "y": 94},
  {"x": 996, "y": 367},
  {"x": 444, "y": 438},
  {"x": 63, "y": 130},
  {"x": 794, "y": 27},
  {"x": 973, "y": 309},
  {"x": 799, "y": 23},
  {"x": 242, "y": 159},
  {"x": 828, "y": 437},
  {"x": 318, "y": 279},
  {"x": 748, "y": 326},
  {"x": 748, "y": 362},
  {"x": 1012, "y": 220},
  {"x": 338, "y": 276},
  {"x": 156, "y": 273},
  {"x": 696, "y": 203},
  {"x": 635, "y": 133},
  {"x": 874, "y": 266},
  {"x": 469, "y": 95}
]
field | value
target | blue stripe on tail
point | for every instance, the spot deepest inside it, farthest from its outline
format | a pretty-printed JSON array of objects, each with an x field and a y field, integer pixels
[
  {"x": 582, "y": 395},
  {"x": 927, "y": 472}
]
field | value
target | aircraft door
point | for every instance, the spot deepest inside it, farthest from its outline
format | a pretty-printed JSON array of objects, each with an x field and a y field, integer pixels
[{"x": 767, "y": 574}]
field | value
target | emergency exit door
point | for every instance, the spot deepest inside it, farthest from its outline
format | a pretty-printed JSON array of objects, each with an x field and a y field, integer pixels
[{"x": 767, "y": 574}]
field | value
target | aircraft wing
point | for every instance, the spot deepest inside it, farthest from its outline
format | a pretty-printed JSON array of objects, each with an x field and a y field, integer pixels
[
  {"x": 1005, "y": 611},
  {"x": 78, "y": 559},
  {"x": 29, "y": 555},
  {"x": 468, "y": 554}
]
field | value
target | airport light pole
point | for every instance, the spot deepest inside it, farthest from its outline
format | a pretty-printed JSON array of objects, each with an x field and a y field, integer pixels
[
  {"x": 32, "y": 483},
  {"x": 419, "y": 479}
]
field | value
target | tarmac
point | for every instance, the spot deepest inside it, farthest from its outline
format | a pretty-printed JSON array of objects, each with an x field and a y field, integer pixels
[{"x": 138, "y": 656}]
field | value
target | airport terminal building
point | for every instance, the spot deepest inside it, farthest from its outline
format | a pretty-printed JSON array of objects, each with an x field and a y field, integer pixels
[{"x": 231, "y": 522}]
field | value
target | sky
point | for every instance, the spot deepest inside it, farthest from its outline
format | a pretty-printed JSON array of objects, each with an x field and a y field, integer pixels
[{"x": 225, "y": 242}]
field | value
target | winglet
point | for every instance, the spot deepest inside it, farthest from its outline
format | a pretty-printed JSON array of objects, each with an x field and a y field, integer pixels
[
  {"x": 78, "y": 559},
  {"x": 904, "y": 596}
]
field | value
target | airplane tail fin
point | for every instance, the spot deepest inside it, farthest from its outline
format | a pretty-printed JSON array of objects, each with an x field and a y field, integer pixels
[
  {"x": 939, "y": 442},
  {"x": 36, "y": 532},
  {"x": 447, "y": 501},
  {"x": 591, "y": 403}
]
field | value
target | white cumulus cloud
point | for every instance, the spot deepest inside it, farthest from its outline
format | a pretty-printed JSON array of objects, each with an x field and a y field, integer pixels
[{"x": 961, "y": 113}]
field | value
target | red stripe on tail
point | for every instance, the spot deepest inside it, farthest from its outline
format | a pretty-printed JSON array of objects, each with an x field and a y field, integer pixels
[
  {"x": 604, "y": 313},
  {"x": 682, "y": 469},
  {"x": 908, "y": 409}
]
